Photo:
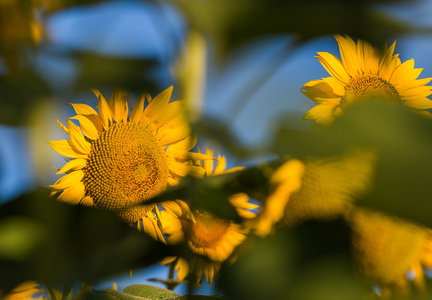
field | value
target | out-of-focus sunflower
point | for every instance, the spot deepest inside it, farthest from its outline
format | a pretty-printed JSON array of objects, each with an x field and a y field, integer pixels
[
  {"x": 386, "y": 248},
  {"x": 316, "y": 189},
  {"x": 24, "y": 291},
  {"x": 118, "y": 160},
  {"x": 364, "y": 73},
  {"x": 212, "y": 238}
]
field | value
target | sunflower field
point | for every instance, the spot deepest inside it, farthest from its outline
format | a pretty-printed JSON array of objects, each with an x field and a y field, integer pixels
[{"x": 215, "y": 149}]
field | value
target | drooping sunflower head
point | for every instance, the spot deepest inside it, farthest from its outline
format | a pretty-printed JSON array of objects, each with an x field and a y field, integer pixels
[
  {"x": 117, "y": 160},
  {"x": 212, "y": 238},
  {"x": 386, "y": 248},
  {"x": 364, "y": 74}
]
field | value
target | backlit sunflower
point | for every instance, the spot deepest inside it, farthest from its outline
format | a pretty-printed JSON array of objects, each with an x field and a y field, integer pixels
[
  {"x": 116, "y": 160},
  {"x": 364, "y": 73},
  {"x": 212, "y": 238}
]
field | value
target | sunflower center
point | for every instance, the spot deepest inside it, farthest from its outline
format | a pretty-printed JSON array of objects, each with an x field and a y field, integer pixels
[
  {"x": 369, "y": 88},
  {"x": 207, "y": 232},
  {"x": 126, "y": 165}
]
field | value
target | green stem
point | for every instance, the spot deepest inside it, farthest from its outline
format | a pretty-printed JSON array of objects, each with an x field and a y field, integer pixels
[
  {"x": 170, "y": 284},
  {"x": 50, "y": 291},
  {"x": 67, "y": 290}
]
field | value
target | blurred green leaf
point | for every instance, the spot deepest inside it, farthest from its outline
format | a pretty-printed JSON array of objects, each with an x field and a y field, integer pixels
[
  {"x": 103, "y": 71},
  {"x": 19, "y": 237},
  {"x": 311, "y": 261},
  {"x": 19, "y": 97},
  {"x": 78, "y": 243},
  {"x": 233, "y": 23},
  {"x": 402, "y": 141}
]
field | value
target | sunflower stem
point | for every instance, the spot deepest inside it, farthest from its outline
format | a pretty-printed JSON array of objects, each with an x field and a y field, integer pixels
[
  {"x": 50, "y": 291},
  {"x": 67, "y": 290},
  {"x": 170, "y": 284}
]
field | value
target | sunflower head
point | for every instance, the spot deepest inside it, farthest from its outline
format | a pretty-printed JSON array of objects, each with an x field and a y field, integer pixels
[
  {"x": 117, "y": 160},
  {"x": 385, "y": 248},
  {"x": 362, "y": 74},
  {"x": 213, "y": 239}
]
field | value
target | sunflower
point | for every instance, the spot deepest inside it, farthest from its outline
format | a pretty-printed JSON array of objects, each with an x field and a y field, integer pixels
[
  {"x": 386, "y": 248},
  {"x": 24, "y": 291},
  {"x": 212, "y": 238},
  {"x": 364, "y": 73},
  {"x": 314, "y": 189},
  {"x": 116, "y": 161}
]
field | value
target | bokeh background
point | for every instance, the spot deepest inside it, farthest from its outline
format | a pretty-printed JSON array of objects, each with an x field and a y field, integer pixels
[{"x": 257, "y": 55}]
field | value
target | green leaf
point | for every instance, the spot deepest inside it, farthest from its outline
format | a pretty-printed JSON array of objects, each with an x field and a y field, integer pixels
[
  {"x": 124, "y": 296},
  {"x": 149, "y": 291}
]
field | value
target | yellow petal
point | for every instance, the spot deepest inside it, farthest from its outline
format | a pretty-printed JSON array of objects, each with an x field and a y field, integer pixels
[
  {"x": 318, "y": 88},
  {"x": 348, "y": 51},
  {"x": 208, "y": 164},
  {"x": 424, "y": 103},
  {"x": 178, "y": 149},
  {"x": 73, "y": 194},
  {"x": 87, "y": 201},
  {"x": 88, "y": 126},
  {"x": 183, "y": 170},
  {"x": 220, "y": 166},
  {"x": 104, "y": 112},
  {"x": 74, "y": 164},
  {"x": 65, "y": 129},
  {"x": 168, "y": 260},
  {"x": 193, "y": 156},
  {"x": 182, "y": 268},
  {"x": 118, "y": 104},
  {"x": 77, "y": 138},
  {"x": 166, "y": 113},
  {"x": 99, "y": 94},
  {"x": 209, "y": 272},
  {"x": 174, "y": 135},
  {"x": 158, "y": 104},
  {"x": 68, "y": 180},
  {"x": 337, "y": 87},
  {"x": 405, "y": 86},
  {"x": 179, "y": 209},
  {"x": 137, "y": 111},
  {"x": 334, "y": 66},
  {"x": 83, "y": 109},
  {"x": 66, "y": 148},
  {"x": 405, "y": 72},
  {"x": 322, "y": 113},
  {"x": 368, "y": 57}
]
